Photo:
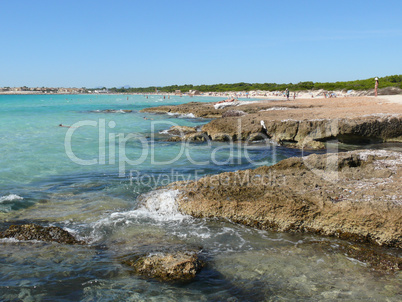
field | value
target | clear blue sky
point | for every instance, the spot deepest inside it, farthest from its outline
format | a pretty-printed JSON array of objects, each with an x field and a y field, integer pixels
[{"x": 143, "y": 43}]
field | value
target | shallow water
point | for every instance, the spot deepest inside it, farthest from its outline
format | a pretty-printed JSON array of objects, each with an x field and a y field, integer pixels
[{"x": 99, "y": 204}]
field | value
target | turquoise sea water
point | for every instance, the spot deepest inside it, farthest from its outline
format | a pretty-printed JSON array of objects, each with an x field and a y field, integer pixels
[{"x": 87, "y": 179}]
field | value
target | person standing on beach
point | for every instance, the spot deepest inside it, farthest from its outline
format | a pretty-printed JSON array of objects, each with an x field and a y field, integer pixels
[
  {"x": 287, "y": 94},
  {"x": 376, "y": 87}
]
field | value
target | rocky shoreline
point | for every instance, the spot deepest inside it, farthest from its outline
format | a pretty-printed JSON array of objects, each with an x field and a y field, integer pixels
[
  {"x": 175, "y": 263},
  {"x": 354, "y": 195},
  {"x": 301, "y": 124}
]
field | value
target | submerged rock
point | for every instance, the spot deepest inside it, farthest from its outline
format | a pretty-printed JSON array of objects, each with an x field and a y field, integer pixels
[
  {"x": 37, "y": 232},
  {"x": 172, "y": 266},
  {"x": 377, "y": 260}
]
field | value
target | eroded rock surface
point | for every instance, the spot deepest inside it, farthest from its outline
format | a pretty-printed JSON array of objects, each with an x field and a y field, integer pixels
[
  {"x": 301, "y": 124},
  {"x": 354, "y": 195},
  {"x": 308, "y": 133}
]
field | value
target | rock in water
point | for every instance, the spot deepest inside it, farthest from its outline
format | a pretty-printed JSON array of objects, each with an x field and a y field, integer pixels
[
  {"x": 37, "y": 232},
  {"x": 177, "y": 266},
  {"x": 181, "y": 130},
  {"x": 353, "y": 195}
]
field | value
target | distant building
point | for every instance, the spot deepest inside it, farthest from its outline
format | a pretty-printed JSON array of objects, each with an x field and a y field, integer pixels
[{"x": 101, "y": 91}]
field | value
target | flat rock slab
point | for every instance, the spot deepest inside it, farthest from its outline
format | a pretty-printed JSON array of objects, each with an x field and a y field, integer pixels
[{"x": 353, "y": 195}]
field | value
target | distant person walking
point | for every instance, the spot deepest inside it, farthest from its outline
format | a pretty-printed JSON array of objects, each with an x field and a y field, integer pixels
[
  {"x": 376, "y": 87},
  {"x": 287, "y": 94}
]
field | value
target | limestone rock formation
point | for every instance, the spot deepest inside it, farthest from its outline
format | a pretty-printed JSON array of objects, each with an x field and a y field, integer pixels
[
  {"x": 305, "y": 124},
  {"x": 354, "y": 195},
  {"x": 309, "y": 133}
]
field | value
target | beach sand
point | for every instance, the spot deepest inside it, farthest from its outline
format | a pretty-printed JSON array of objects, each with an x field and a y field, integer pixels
[
  {"x": 392, "y": 98},
  {"x": 299, "y": 109}
]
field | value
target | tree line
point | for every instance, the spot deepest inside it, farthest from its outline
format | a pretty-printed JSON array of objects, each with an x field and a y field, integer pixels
[{"x": 388, "y": 81}]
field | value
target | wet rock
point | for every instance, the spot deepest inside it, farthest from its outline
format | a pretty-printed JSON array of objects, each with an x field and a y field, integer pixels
[
  {"x": 37, "y": 232},
  {"x": 175, "y": 139},
  {"x": 172, "y": 266},
  {"x": 196, "y": 137},
  {"x": 181, "y": 130},
  {"x": 205, "y": 110},
  {"x": 186, "y": 135},
  {"x": 230, "y": 113},
  {"x": 380, "y": 260}
]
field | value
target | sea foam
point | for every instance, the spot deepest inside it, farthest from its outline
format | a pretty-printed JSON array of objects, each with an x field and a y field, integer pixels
[
  {"x": 158, "y": 205},
  {"x": 10, "y": 197}
]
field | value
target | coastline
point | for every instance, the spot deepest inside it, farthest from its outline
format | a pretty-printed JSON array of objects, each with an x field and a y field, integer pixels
[
  {"x": 303, "y": 123},
  {"x": 262, "y": 96},
  {"x": 345, "y": 211},
  {"x": 362, "y": 204}
]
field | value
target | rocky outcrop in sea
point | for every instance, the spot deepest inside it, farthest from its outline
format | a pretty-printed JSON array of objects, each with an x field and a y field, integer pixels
[
  {"x": 26, "y": 232},
  {"x": 171, "y": 266},
  {"x": 353, "y": 195}
]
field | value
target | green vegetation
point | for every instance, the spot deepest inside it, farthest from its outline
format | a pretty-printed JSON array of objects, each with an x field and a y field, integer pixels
[{"x": 394, "y": 80}]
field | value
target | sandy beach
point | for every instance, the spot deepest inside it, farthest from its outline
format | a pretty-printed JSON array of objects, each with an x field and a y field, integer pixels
[
  {"x": 392, "y": 98},
  {"x": 299, "y": 109}
]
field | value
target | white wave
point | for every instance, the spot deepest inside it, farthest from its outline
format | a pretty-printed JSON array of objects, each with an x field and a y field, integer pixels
[
  {"x": 247, "y": 102},
  {"x": 181, "y": 115},
  {"x": 158, "y": 205},
  {"x": 10, "y": 197},
  {"x": 225, "y": 104},
  {"x": 188, "y": 115},
  {"x": 276, "y": 108},
  {"x": 14, "y": 240},
  {"x": 156, "y": 208},
  {"x": 161, "y": 205}
]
